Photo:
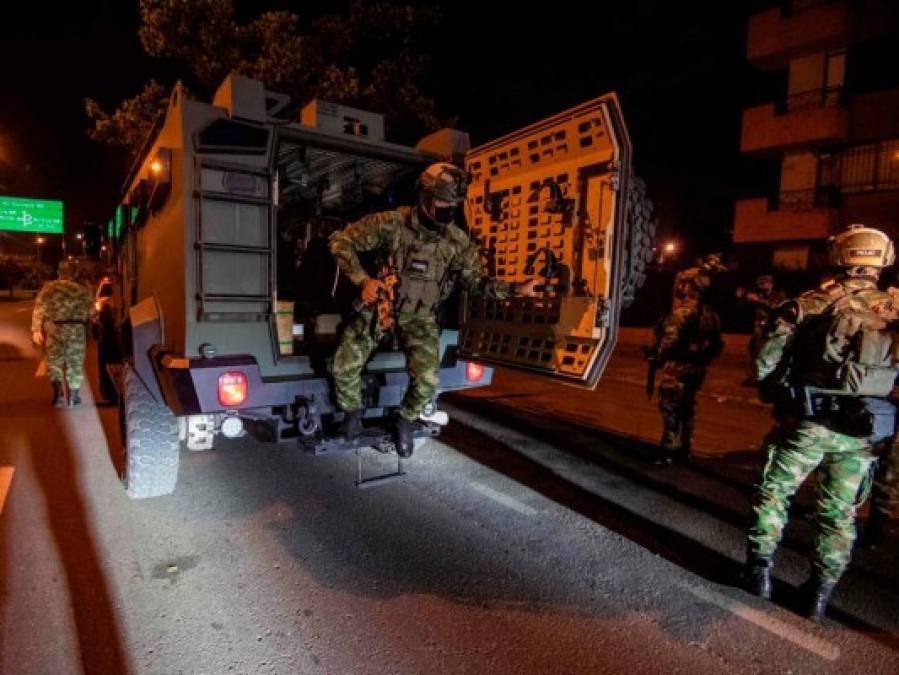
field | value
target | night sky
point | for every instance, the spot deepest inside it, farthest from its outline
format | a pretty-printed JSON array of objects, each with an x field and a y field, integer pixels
[{"x": 681, "y": 76}]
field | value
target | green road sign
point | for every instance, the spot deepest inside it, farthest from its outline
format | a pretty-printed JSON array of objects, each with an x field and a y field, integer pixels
[{"x": 30, "y": 215}]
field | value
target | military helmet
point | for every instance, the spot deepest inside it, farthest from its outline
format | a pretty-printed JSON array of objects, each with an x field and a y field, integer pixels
[
  {"x": 444, "y": 181},
  {"x": 860, "y": 246},
  {"x": 713, "y": 262}
]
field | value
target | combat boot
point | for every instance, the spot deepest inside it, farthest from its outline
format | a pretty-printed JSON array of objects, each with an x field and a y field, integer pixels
[
  {"x": 352, "y": 424},
  {"x": 403, "y": 436},
  {"x": 816, "y": 594},
  {"x": 59, "y": 396},
  {"x": 682, "y": 455},
  {"x": 873, "y": 534},
  {"x": 74, "y": 398},
  {"x": 757, "y": 575}
]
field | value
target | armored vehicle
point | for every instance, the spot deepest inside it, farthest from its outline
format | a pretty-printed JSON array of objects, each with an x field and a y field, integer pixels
[{"x": 228, "y": 307}]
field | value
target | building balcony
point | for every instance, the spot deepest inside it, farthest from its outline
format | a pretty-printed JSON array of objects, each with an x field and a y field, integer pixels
[
  {"x": 800, "y": 215},
  {"x": 809, "y": 119},
  {"x": 798, "y": 28}
]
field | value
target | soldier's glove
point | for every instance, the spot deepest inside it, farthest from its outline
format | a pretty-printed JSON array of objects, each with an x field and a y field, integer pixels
[
  {"x": 37, "y": 337},
  {"x": 525, "y": 289},
  {"x": 371, "y": 289}
]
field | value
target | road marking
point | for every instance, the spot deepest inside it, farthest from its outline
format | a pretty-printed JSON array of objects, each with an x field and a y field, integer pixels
[
  {"x": 826, "y": 650},
  {"x": 6, "y": 473},
  {"x": 503, "y": 499}
]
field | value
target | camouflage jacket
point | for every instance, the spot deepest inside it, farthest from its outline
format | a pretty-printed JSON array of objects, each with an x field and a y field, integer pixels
[
  {"x": 395, "y": 233},
  {"x": 61, "y": 300},
  {"x": 689, "y": 333},
  {"x": 793, "y": 313},
  {"x": 764, "y": 305}
]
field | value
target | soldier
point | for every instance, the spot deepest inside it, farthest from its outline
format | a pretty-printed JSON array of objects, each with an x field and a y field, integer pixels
[
  {"x": 59, "y": 323},
  {"x": 428, "y": 252},
  {"x": 763, "y": 299},
  {"x": 686, "y": 341},
  {"x": 827, "y": 365}
]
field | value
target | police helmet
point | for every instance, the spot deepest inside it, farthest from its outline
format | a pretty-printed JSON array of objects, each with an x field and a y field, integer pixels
[{"x": 859, "y": 246}]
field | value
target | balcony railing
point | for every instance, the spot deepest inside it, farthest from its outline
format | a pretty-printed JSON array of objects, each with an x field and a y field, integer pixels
[
  {"x": 791, "y": 7},
  {"x": 825, "y": 97},
  {"x": 797, "y": 201}
]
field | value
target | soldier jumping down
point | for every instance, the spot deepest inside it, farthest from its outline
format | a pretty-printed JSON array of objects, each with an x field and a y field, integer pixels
[{"x": 429, "y": 252}]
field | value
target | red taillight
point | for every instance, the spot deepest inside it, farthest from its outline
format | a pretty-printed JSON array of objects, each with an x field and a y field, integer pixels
[
  {"x": 232, "y": 389},
  {"x": 474, "y": 371}
]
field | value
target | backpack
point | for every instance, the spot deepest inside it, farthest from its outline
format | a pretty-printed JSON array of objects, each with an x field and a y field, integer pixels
[{"x": 849, "y": 350}]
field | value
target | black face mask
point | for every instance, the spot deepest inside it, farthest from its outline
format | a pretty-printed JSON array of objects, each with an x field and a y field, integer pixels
[{"x": 444, "y": 215}]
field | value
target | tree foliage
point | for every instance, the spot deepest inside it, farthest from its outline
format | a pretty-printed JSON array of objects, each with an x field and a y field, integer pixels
[{"x": 372, "y": 56}]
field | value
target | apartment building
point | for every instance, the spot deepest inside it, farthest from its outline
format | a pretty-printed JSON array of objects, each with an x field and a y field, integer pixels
[{"x": 833, "y": 135}]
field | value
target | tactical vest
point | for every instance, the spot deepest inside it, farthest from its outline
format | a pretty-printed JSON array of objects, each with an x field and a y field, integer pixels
[
  {"x": 852, "y": 348},
  {"x": 422, "y": 267}
]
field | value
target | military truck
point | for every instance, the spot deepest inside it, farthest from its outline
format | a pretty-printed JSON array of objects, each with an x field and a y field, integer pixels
[{"x": 228, "y": 306}]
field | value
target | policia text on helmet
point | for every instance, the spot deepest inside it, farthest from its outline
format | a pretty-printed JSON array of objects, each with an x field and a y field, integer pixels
[{"x": 861, "y": 251}]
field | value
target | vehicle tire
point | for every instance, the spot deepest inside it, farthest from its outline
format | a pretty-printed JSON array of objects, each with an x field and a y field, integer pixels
[
  {"x": 641, "y": 231},
  {"x": 150, "y": 437}
]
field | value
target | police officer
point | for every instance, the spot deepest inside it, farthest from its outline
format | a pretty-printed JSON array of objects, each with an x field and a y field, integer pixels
[
  {"x": 833, "y": 434},
  {"x": 687, "y": 339},
  {"x": 428, "y": 252},
  {"x": 59, "y": 323}
]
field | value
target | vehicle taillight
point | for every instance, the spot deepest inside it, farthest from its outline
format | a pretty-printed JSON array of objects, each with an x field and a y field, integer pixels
[
  {"x": 474, "y": 371},
  {"x": 232, "y": 389}
]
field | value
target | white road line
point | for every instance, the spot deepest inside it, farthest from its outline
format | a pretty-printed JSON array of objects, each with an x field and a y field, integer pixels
[
  {"x": 503, "y": 499},
  {"x": 826, "y": 650},
  {"x": 6, "y": 473}
]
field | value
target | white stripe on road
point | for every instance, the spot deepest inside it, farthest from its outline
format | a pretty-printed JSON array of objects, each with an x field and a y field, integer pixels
[
  {"x": 823, "y": 648},
  {"x": 504, "y": 499},
  {"x": 6, "y": 473}
]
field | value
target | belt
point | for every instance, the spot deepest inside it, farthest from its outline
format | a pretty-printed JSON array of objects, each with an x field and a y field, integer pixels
[{"x": 79, "y": 322}]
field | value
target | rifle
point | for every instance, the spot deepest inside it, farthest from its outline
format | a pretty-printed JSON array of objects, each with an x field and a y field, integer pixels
[{"x": 383, "y": 319}]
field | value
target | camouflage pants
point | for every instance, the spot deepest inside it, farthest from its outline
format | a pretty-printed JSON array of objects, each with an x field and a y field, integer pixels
[
  {"x": 677, "y": 402},
  {"x": 885, "y": 493},
  {"x": 843, "y": 465},
  {"x": 419, "y": 337},
  {"x": 64, "y": 352}
]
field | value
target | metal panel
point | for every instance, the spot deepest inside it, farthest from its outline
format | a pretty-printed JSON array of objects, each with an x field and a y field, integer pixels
[{"x": 548, "y": 202}]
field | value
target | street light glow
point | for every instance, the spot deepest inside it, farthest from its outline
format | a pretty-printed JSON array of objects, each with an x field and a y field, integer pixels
[
  {"x": 40, "y": 240},
  {"x": 670, "y": 247}
]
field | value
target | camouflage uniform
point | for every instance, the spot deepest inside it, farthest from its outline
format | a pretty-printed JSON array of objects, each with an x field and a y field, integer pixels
[
  {"x": 764, "y": 303},
  {"x": 427, "y": 263},
  {"x": 800, "y": 446},
  {"x": 61, "y": 312},
  {"x": 686, "y": 340}
]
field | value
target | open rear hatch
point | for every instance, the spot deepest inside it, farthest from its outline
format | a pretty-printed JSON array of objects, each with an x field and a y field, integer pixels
[{"x": 549, "y": 201}]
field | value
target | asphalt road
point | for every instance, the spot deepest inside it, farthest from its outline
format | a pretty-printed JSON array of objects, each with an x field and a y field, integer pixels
[{"x": 519, "y": 543}]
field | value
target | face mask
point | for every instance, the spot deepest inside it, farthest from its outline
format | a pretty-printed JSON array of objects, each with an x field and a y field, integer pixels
[{"x": 444, "y": 214}]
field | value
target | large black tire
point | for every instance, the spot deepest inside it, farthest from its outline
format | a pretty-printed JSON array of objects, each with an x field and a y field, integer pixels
[
  {"x": 641, "y": 230},
  {"x": 150, "y": 437}
]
